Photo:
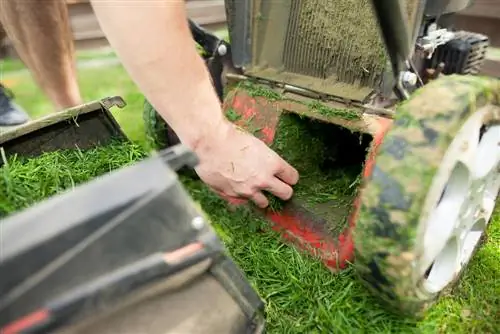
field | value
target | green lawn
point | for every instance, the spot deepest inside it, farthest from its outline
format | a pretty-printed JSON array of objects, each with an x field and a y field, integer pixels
[
  {"x": 301, "y": 295},
  {"x": 95, "y": 84},
  {"x": 10, "y": 65}
]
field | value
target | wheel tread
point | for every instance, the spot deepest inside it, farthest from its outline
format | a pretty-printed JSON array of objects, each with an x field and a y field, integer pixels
[{"x": 393, "y": 196}]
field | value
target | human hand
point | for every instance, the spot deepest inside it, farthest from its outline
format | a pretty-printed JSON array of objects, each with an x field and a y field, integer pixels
[{"x": 238, "y": 165}]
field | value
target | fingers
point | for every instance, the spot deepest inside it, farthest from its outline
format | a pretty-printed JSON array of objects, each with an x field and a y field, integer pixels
[
  {"x": 287, "y": 173},
  {"x": 280, "y": 189},
  {"x": 260, "y": 200},
  {"x": 230, "y": 199}
]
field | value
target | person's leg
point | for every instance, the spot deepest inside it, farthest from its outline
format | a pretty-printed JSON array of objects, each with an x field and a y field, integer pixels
[
  {"x": 10, "y": 113},
  {"x": 41, "y": 34}
]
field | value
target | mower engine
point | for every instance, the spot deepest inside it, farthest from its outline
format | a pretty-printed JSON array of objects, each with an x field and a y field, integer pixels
[{"x": 439, "y": 49}]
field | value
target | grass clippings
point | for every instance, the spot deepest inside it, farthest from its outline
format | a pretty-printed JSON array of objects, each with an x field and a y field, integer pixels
[
  {"x": 343, "y": 113},
  {"x": 232, "y": 115},
  {"x": 345, "y": 37},
  {"x": 314, "y": 106},
  {"x": 329, "y": 160},
  {"x": 257, "y": 90}
]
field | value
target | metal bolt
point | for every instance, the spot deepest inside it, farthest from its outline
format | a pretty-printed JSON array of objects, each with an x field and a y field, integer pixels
[
  {"x": 432, "y": 27},
  {"x": 222, "y": 50},
  {"x": 409, "y": 78},
  {"x": 198, "y": 223}
]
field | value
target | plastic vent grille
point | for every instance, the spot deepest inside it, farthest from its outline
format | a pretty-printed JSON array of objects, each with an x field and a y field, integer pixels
[
  {"x": 330, "y": 46},
  {"x": 329, "y": 38}
]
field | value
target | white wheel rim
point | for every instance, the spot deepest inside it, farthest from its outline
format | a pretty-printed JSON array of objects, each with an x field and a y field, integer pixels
[{"x": 460, "y": 201}]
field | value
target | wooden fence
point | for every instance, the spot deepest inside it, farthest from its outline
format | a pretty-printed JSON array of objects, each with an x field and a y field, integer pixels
[{"x": 88, "y": 34}]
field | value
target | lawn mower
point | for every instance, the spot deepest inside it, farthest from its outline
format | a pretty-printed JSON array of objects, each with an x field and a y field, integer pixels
[
  {"x": 379, "y": 107},
  {"x": 127, "y": 252}
]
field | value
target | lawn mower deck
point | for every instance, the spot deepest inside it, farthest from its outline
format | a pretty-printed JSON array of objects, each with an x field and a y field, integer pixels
[{"x": 320, "y": 223}]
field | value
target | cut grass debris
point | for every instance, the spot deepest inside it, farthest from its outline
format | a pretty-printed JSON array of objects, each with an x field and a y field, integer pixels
[
  {"x": 315, "y": 106},
  {"x": 329, "y": 160},
  {"x": 257, "y": 90},
  {"x": 345, "y": 38},
  {"x": 322, "y": 109},
  {"x": 232, "y": 115}
]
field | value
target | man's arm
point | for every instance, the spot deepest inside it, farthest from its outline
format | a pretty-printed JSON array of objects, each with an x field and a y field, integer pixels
[{"x": 153, "y": 41}]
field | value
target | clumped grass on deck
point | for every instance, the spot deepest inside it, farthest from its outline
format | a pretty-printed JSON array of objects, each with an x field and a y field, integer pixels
[
  {"x": 314, "y": 106},
  {"x": 346, "y": 33},
  {"x": 329, "y": 160}
]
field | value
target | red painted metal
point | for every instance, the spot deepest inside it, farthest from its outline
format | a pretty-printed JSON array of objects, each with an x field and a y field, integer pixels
[
  {"x": 25, "y": 323},
  {"x": 306, "y": 231}
]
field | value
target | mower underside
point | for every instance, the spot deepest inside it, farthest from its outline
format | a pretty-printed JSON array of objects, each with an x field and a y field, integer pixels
[
  {"x": 331, "y": 47},
  {"x": 330, "y": 147},
  {"x": 312, "y": 81},
  {"x": 311, "y": 69}
]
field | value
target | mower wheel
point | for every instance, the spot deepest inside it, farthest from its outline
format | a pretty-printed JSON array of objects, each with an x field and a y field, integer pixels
[
  {"x": 159, "y": 135},
  {"x": 428, "y": 201}
]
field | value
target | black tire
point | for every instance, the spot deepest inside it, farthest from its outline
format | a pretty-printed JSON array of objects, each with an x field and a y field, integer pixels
[
  {"x": 389, "y": 255},
  {"x": 158, "y": 134}
]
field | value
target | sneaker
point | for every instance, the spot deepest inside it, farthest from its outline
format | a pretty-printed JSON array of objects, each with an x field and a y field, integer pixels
[{"x": 10, "y": 113}]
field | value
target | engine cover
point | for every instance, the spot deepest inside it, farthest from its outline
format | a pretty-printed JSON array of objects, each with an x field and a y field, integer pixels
[{"x": 464, "y": 54}]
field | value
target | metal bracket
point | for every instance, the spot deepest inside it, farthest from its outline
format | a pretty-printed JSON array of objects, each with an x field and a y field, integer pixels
[
  {"x": 179, "y": 156},
  {"x": 208, "y": 41},
  {"x": 113, "y": 101},
  {"x": 241, "y": 31},
  {"x": 434, "y": 38}
]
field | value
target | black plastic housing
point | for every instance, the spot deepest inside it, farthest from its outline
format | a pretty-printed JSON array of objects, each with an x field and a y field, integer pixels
[
  {"x": 127, "y": 252},
  {"x": 464, "y": 54}
]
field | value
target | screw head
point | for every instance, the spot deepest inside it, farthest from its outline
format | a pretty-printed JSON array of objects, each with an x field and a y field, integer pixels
[
  {"x": 432, "y": 27},
  {"x": 222, "y": 50},
  {"x": 198, "y": 223},
  {"x": 410, "y": 78}
]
